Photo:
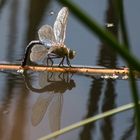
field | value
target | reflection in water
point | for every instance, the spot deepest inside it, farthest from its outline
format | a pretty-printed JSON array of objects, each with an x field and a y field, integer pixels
[
  {"x": 48, "y": 82},
  {"x": 130, "y": 131},
  {"x": 13, "y": 110},
  {"x": 107, "y": 58},
  {"x": 13, "y": 23},
  {"x": 51, "y": 13},
  {"x": 51, "y": 86},
  {"x": 35, "y": 16},
  {"x": 52, "y": 102},
  {"x": 14, "y": 120},
  {"x": 95, "y": 93},
  {"x": 108, "y": 104},
  {"x": 2, "y": 4}
]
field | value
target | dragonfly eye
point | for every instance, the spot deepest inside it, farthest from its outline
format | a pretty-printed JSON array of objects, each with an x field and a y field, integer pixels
[{"x": 71, "y": 54}]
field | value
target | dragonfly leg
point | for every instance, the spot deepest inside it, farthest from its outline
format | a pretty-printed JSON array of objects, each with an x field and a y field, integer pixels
[
  {"x": 48, "y": 61},
  {"x": 68, "y": 61},
  {"x": 49, "y": 76},
  {"x": 62, "y": 62},
  {"x": 60, "y": 76},
  {"x": 50, "y": 57}
]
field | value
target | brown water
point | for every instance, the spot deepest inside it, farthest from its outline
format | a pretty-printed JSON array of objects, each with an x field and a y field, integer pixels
[{"x": 35, "y": 104}]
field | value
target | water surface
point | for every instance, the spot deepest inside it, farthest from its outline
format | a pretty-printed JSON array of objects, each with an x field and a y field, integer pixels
[{"x": 35, "y": 104}]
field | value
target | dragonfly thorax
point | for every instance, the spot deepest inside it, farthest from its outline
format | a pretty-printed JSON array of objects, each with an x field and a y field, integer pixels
[
  {"x": 60, "y": 51},
  {"x": 58, "y": 45},
  {"x": 63, "y": 51}
]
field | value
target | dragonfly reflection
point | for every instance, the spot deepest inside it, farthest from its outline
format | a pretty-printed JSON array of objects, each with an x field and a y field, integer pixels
[
  {"x": 55, "y": 82},
  {"x": 50, "y": 103},
  {"x": 51, "y": 42},
  {"x": 50, "y": 100}
]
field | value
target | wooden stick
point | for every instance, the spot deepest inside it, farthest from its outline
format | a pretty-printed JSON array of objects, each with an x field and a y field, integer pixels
[{"x": 75, "y": 69}]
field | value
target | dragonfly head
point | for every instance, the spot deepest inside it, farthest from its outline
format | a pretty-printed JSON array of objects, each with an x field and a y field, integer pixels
[{"x": 71, "y": 54}]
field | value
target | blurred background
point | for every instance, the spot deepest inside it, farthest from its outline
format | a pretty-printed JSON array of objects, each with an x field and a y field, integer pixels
[{"x": 35, "y": 104}]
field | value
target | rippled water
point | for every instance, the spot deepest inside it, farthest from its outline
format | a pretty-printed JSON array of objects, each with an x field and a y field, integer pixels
[{"x": 35, "y": 104}]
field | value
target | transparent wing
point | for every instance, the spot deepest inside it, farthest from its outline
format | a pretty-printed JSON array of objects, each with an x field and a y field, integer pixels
[
  {"x": 38, "y": 52},
  {"x": 40, "y": 108},
  {"x": 55, "y": 111},
  {"x": 43, "y": 79},
  {"x": 60, "y": 25},
  {"x": 46, "y": 77},
  {"x": 46, "y": 35}
]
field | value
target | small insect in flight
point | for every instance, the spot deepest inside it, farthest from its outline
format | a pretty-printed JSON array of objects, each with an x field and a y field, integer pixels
[{"x": 51, "y": 42}]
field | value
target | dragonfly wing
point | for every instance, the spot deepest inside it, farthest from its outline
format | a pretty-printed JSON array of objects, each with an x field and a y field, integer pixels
[
  {"x": 55, "y": 111},
  {"x": 40, "y": 108},
  {"x": 60, "y": 25},
  {"x": 52, "y": 49},
  {"x": 46, "y": 35},
  {"x": 43, "y": 79},
  {"x": 38, "y": 52}
]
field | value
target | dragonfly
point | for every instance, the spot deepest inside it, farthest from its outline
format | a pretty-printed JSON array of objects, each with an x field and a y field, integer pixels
[{"x": 51, "y": 44}]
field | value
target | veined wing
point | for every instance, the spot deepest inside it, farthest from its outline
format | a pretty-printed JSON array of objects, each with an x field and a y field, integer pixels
[
  {"x": 43, "y": 78},
  {"x": 38, "y": 52},
  {"x": 46, "y": 35},
  {"x": 55, "y": 111},
  {"x": 40, "y": 108},
  {"x": 60, "y": 25}
]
